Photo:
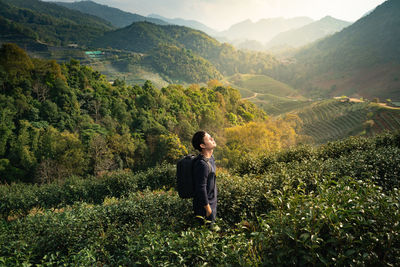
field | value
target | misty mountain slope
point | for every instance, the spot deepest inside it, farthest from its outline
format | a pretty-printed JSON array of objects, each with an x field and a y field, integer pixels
[
  {"x": 264, "y": 29},
  {"x": 142, "y": 37},
  {"x": 115, "y": 16},
  {"x": 187, "y": 23},
  {"x": 361, "y": 60},
  {"x": 308, "y": 33},
  {"x": 374, "y": 38},
  {"x": 49, "y": 23}
]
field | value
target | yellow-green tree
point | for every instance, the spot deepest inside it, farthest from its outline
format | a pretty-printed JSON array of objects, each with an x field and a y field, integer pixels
[{"x": 256, "y": 138}]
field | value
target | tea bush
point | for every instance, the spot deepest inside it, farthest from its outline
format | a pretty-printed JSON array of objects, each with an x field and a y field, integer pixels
[
  {"x": 104, "y": 227},
  {"x": 348, "y": 222},
  {"x": 331, "y": 150},
  {"x": 343, "y": 222},
  {"x": 304, "y": 209},
  {"x": 193, "y": 247},
  {"x": 19, "y": 199},
  {"x": 242, "y": 198}
]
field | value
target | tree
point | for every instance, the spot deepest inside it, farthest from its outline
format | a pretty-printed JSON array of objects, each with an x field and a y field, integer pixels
[
  {"x": 169, "y": 148},
  {"x": 101, "y": 155}
]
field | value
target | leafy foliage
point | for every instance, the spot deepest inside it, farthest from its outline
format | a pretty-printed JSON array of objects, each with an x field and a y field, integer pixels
[
  {"x": 62, "y": 120},
  {"x": 301, "y": 209}
]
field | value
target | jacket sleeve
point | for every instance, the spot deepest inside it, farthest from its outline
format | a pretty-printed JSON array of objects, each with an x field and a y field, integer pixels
[{"x": 200, "y": 174}]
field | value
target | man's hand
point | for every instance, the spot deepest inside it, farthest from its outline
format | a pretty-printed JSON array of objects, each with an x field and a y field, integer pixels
[{"x": 208, "y": 210}]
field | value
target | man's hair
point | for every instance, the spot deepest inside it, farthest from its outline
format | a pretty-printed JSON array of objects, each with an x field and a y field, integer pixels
[{"x": 198, "y": 138}]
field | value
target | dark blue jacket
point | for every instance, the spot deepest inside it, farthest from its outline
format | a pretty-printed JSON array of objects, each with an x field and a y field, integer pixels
[{"x": 205, "y": 186}]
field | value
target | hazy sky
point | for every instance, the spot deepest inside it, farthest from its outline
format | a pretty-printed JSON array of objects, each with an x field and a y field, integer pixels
[{"x": 221, "y": 14}]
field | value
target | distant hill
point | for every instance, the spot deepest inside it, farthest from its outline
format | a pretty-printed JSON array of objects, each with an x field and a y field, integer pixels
[
  {"x": 115, "y": 16},
  {"x": 187, "y": 23},
  {"x": 143, "y": 37},
  {"x": 48, "y": 23},
  {"x": 308, "y": 33},
  {"x": 263, "y": 30},
  {"x": 249, "y": 45},
  {"x": 361, "y": 60},
  {"x": 261, "y": 84}
]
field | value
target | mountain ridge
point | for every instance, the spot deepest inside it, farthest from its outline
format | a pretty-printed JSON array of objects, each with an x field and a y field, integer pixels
[
  {"x": 362, "y": 60},
  {"x": 308, "y": 33},
  {"x": 115, "y": 16},
  {"x": 264, "y": 29},
  {"x": 48, "y": 23},
  {"x": 187, "y": 23}
]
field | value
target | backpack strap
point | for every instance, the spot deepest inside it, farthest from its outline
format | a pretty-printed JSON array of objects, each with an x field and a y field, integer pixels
[{"x": 200, "y": 156}]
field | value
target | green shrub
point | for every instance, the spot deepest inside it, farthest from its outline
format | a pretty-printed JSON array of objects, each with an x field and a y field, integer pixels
[
  {"x": 194, "y": 247},
  {"x": 83, "y": 226},
  {"x": 19, "y": 199},
  {"x": 348, "y": 222},
  {"x": 242, "y": 198}
]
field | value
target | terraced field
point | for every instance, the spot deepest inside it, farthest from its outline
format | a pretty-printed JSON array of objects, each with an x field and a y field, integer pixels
[
  {"x": 248, "y": 84},
  {"x": 385, "y": 119},
  {"x": 275, "y": 105},
  {"x": 333, "y": 119},
  {"x": 273, "y": 96}
]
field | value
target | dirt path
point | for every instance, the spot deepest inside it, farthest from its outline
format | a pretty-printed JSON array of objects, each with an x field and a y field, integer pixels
[
  {"x": 250, "y": 97},
  {"x": 381, "y": 104}
]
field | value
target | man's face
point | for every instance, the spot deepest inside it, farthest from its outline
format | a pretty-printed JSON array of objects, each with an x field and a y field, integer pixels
[{"x": 209, "y": 142}]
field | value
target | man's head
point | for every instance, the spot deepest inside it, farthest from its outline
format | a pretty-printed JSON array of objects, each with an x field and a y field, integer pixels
[{"x": 202, "y": 140}]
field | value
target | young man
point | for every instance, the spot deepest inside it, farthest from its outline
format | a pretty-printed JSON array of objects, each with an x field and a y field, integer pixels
[{"x": 205, "y": 199}]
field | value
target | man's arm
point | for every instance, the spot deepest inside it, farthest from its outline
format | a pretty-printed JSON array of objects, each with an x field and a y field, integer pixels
[{"x": 200, "y": 177}]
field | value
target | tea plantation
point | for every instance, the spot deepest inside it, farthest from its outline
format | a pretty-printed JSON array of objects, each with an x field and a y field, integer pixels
[
  {"x": 333, "y": 119},
  {"x": 336, "y": 204}
]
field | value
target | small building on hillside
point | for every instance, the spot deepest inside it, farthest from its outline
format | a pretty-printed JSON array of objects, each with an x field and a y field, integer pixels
[{"x": 94, "y": 54}]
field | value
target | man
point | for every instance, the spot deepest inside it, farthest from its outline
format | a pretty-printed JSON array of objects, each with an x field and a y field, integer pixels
[{"x": 205, "y": 199}]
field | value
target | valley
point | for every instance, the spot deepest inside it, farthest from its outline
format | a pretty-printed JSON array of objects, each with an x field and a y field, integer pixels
[{"x": 98, "y": 104}]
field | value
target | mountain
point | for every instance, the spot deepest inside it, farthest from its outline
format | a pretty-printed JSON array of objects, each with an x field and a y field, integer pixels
[
  {"x": 188, "y": 23},
  {"x": 264, "y": 29},
  {"x": 47, "y": 23},
  {"x": 145, "y": 37},
  {"x": 115, "y": 16},
  {"x": 308, "y": 33},
  {"x": 249, "y": 45},
  {"x": 361, "y": 60}
]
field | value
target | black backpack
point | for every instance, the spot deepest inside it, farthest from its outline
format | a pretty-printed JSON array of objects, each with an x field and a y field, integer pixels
[{"x": 184, "y": 175}]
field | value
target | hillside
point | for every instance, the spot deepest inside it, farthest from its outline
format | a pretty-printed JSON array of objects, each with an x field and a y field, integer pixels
[
  {"x": 60, "y": 120},
  {"x": 361, "y": 60},
  {"x": 115, "y": 16},
  {"x": 48, "y": 23},
  {"x": 187, "y": 23},
  {"x": 262, "y": 84},
  {"x": 308, "y": 33},
  {"x": 264, "y": 29},
  {"x": 141, "y": 37},
  {"x": 336, "y": 119},
  {"x": 50, "y": 37}
]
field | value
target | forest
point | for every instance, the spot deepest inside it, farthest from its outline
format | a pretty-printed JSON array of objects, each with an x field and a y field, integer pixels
[{"x": 62, "y": 120}]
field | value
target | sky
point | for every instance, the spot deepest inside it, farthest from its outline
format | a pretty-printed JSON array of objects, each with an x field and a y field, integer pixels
[{"x": 221, "y": 14}]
